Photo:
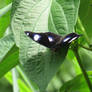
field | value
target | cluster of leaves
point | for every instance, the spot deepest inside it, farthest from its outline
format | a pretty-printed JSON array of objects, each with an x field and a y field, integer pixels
[{"x": 73, "y": 73}]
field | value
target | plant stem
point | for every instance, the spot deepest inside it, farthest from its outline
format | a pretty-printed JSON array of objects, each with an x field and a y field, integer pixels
[
  {"x": 15, "y": 84},
  {"x": 83, "y": 70}
]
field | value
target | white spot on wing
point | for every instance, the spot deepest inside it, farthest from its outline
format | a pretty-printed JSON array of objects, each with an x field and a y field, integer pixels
[
  {"x": 66, "y": 39},
  {"x": 27, "y": 33},
  {"x": 36, "y": 37},
  {"x": 72, "y": 39},
  {"x": 50, "y": 39}
]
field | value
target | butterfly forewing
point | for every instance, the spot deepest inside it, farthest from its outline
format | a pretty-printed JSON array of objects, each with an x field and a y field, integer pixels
[
  {"x": 47, "y": 39},
  {"x": 51, "y": 40}
]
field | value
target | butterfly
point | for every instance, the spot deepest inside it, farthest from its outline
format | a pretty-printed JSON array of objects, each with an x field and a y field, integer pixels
[{"x": 51, "y": 40}]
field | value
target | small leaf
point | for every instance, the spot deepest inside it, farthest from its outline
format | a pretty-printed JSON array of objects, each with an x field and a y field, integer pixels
[
  {"x": 3, "y": 3},
  {"x": 5, "y": 19},
  {"x": 4, "y": 23},
  {"x": 78, "y": 84},
  {"x": 86, "y": 58},
  {"x": 8, "y": 54}
]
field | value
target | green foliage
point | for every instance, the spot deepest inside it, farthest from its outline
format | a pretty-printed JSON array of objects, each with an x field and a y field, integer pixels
[
  {"x": 35, "y": 54},
  {"x": 23, "y": 87},
  {"x": 8, "y": 54},
  {"x": 85, "y": 15},
  {"x": 3, "y": 3},
  {"x": 38, "y": 63},
  {"x": 5, "y": 86},
  {"x": 72, "y": 87}
]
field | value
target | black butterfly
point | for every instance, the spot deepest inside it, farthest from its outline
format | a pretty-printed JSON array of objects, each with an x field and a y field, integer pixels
[{"x": 51, "y": 40}]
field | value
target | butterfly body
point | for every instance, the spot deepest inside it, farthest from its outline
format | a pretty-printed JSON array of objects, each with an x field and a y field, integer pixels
[{"x": 51, "y": 40}]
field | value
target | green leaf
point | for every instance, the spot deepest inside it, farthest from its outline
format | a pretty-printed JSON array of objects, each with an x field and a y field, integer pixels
[
  {"x": 4, "y": 19},
  {"x": 4, "y": 23},
  {"x": 86, "y": 58},
  {"x": 23, "y": 87},
  {"x": 6, "y": 43},
  {"x": 3, "y": 3},
  {"x": 63, "y": 16},
  {"x": 33, "y": 87},
  {"x": 85, "y": 14},
  {"x": 8, "y": 54},
  {"x": 40, "y": 63},
  {"x": 5, "y": 86},
  {"x": 66, "y": 73},
  {"x": 78, "y": 84}
]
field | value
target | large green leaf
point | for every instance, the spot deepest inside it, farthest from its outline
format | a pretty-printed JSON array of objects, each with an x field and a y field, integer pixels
[
  {"x": 8, "y": 54},
  {"x": 40, "y": 63},
  {"x": 63, "y": 16}
]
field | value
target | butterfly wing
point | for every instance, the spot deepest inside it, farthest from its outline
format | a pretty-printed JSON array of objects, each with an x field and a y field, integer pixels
[
  {"x": 52, "y": 40},
  {"x": 47, "y": 39}
]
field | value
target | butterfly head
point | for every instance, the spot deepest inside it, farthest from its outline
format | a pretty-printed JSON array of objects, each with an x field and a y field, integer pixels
[{"x": 70, "y": 37}]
